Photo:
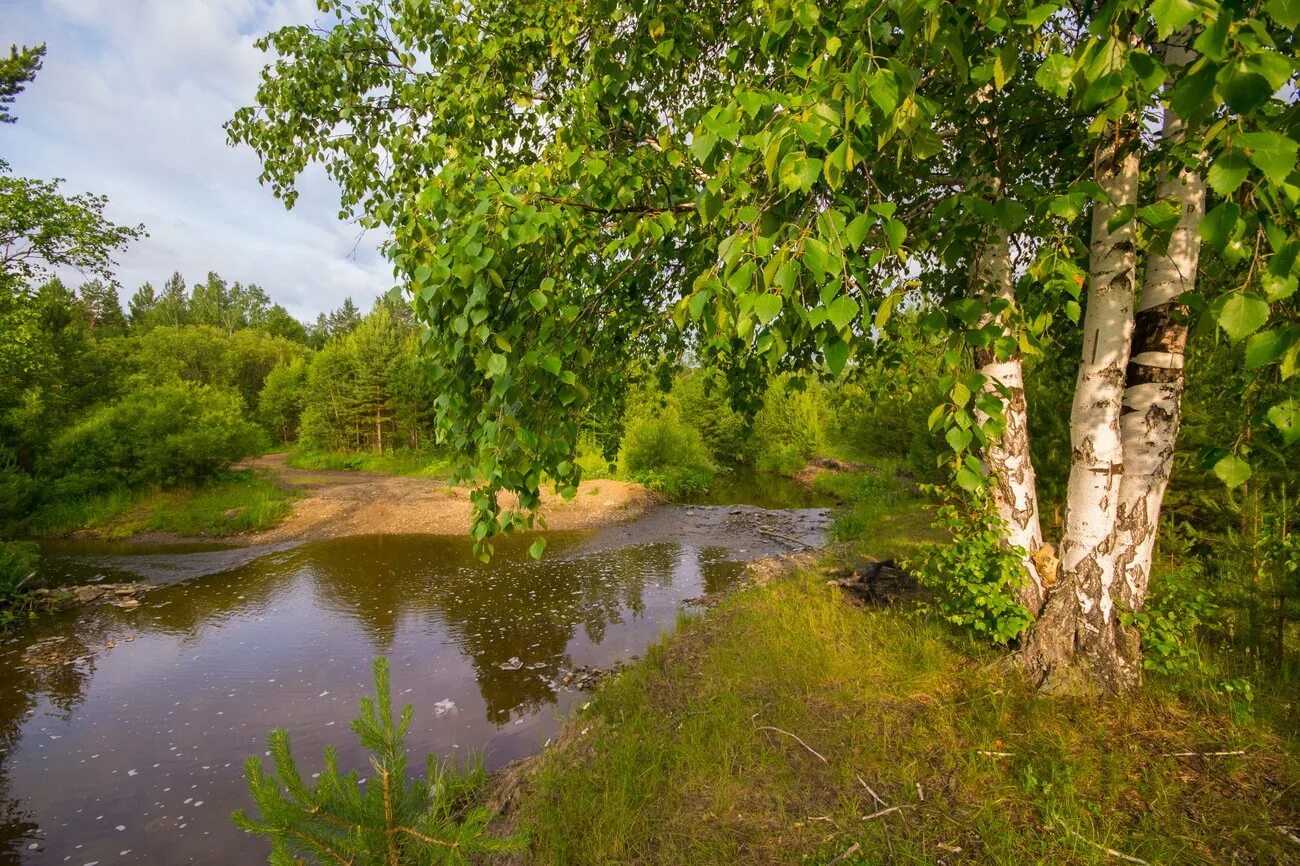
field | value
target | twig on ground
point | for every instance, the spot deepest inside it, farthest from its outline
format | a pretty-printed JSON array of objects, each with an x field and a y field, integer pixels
[
  {"x": 796, "y": 738},
  {"x": 1202, "y": 754},
  {"x": 1111, "y": 851},
  {"x": 995, "y": 754},
  {"x": 848, "y": 852},
  {"x": 920, "y": 794},
  {"x": 873, "y": 794},
  {"x": 883, "y": 812},
  {"x": 772, "y": 532}
]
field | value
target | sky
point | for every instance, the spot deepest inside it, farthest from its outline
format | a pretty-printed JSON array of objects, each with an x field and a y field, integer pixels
[{"x": 130, "y": 104}]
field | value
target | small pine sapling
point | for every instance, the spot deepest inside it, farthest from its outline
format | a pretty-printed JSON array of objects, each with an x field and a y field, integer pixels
[{"x": 434, "y": 820}]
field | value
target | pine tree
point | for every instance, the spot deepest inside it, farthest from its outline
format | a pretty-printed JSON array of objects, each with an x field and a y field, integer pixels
[{"x": 433, "y": 820}]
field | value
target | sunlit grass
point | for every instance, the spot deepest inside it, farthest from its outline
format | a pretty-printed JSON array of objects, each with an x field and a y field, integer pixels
[
  {"x": 234, "y": 503},
  {"x": 681, "y": 762}
]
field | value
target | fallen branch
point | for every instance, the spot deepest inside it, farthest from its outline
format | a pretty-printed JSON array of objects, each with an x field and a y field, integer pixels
[
  {"x": 995, "y": 754},
  {"x": 1202, "y": 754},
  {"x": 1111, "y": 851},
  {"x": 796, "y": 738},
  {"x": 883, "y": 812}
]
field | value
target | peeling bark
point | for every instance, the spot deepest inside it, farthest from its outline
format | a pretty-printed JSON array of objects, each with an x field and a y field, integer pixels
[
  {"x": 1079, "y": 644},
  {"x": 1015, "y": 491},
  {"x": 1153, "y": 397}
]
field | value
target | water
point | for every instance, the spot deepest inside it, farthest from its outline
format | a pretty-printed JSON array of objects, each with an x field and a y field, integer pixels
[{"x": 123, "y": 731}]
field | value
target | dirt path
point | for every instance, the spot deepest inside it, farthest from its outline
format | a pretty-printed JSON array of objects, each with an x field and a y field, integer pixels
[{"x": 339, "y": 503}]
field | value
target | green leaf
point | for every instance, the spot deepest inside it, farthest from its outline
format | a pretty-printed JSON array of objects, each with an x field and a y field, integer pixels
[
  {"x": 1172, "y": 15},
  {"x": 767, "y": 307},
  {"x": 1219, "y": 225},
  {"x": 1265, "y": 348},
  {"x": 1243, "y": 89},
  {"x": 968, "y": 480},
  {"x": 856, "y": 231},
  {"x": 1161, "y": 215},
  {"x": 497, "y": 364},
  {"x": 841, "y": 311},
  {"x": 1232, "y": 471},
  {"x": 1271, "y": 152},
  {"x": 896, "y": 233},
  {"x": 958, "y": 438},
  {"x": 537, "y": 299},
  {"x": 1277, "y": 288},
  {"x": 1242, "y": 314},
  {"x": 1228, "y": 172},
  {"x": 538, "y": 547},
  {"x": 1285, "y": 417},
  {"x": 742, "y": 278},
  {"x": 800, "y": 171},
  {"x": 819, "y": 258},
  {"x": 837, "y": 355},
  {"x": 1284, "y": 12},
  {"x": 1055, "y": 74}
]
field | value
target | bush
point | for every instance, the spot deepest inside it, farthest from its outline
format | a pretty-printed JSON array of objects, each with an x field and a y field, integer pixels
[
  {"x": 789, "y": 428},
  {"x": 436, "y": 819},
  {"x": 160, "y": 435},
  {"x": 17, "y": 565},
  {"x": 975, "y": 577},
  {"x": 702, "y": 397},
  {"x": 662, "y": 452}
]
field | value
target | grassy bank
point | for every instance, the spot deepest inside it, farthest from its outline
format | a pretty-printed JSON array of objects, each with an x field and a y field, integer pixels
[
  {"x": 230, "y": 504},
  {"x": 682, "y": 760},
  {"x": 792, "y": 725},
  {"x": 424, "y": 464}
]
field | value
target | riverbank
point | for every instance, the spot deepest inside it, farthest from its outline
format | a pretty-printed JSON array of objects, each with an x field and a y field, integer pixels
[
  {"x": 793, "y": 723},
  {"x": 267, "y": 501}
]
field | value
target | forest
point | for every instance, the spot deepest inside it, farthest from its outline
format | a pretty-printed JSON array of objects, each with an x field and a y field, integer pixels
[{"x": 1007, "y": 289}]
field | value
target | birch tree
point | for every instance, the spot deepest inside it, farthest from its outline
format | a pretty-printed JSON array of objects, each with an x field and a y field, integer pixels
[{"x": 576, "y": 186}]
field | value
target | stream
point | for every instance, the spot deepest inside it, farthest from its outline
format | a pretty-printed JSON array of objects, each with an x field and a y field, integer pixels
[{"x": 123, "y": 730}]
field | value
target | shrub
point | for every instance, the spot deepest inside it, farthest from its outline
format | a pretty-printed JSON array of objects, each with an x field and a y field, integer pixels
[
  {"x": 789, "y": 428},
  {"x": 665, "y": 454},
  {"x": 702, "y": 397},
  {"x": 974, "y": 576},
  {"x": 158, "y": 435},
  {"x": 436, "y": 819},
  {"x": 17, "y": 565}
]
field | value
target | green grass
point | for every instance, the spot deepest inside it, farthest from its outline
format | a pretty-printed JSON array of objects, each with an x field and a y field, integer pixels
[
  {"x": 233, "y": 503},
  {"x": 680, "y": 762},
  {"x": 881, "y": 516},
  {"x": 401, "y": 462}
]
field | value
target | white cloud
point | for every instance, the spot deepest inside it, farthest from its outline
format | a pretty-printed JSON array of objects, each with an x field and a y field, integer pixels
[{"x": 130, "y": 104}]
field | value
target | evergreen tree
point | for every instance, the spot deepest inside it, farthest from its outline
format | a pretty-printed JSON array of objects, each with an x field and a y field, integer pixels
[
  {"x": 102, "y": 308},
  {"x": 345, "y": 319},
  {"x": 141, "y": 306},
  {"x": 433, "y": 820}
]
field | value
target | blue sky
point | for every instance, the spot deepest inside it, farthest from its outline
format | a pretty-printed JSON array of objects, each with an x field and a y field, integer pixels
[{"x": 130, "y": 104}]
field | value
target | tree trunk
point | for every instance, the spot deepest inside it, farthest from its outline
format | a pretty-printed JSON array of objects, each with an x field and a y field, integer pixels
[
  {"x": 1078, "y": 644},
  {"x": 1015, "y": 491},
  {"x": 1153, "y": 396}
]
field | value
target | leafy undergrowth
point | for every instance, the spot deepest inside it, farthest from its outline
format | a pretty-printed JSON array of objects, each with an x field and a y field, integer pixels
[
  {"x": 882, "y": 515},
  {"x": 704, "y": 753},
  {"x": 233, "y": 503},
  {"x": 401, "y": 462}
]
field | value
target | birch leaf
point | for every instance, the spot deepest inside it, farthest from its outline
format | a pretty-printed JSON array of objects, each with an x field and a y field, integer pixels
[
  {"x": 1232, "y": 471},
  {"x": 1286, "y": 418},
  {"x": 1242, "y": 314},
  {"x": 1273, "y": 153}
]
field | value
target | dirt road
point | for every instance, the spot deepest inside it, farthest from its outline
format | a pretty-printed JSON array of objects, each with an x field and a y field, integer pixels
[{"x": 339, "y": 503}]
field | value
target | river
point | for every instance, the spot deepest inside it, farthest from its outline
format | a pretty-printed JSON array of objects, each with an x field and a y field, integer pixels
[{"x": 123, "y": 730}]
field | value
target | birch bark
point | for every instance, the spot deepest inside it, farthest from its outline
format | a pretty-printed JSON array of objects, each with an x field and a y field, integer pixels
[
  {"x": 1078, "y": 643},
  {"x": 1153, "y": 396},
  {"x": 1015, "y": 491}
]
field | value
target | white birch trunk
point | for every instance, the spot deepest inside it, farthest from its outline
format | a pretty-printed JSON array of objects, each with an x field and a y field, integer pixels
[
  {"x": 1153, "y": 397},
  {"x": 1076, "y": 644},
  {"x": 1015, "y": 491}
]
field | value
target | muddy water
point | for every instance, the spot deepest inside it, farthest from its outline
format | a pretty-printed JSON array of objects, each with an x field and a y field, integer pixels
[{"x": 123, "y": 731}]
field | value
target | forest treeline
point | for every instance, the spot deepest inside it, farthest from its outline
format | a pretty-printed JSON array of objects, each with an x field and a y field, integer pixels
[{"x": 186, "y": 381}]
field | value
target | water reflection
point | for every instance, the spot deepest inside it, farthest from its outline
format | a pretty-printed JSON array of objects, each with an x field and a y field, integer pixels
[{"x": 123, "y": 730}]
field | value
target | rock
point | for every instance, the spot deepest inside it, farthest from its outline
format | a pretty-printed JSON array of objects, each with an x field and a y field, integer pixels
[{"x": 87, "y": 594}]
